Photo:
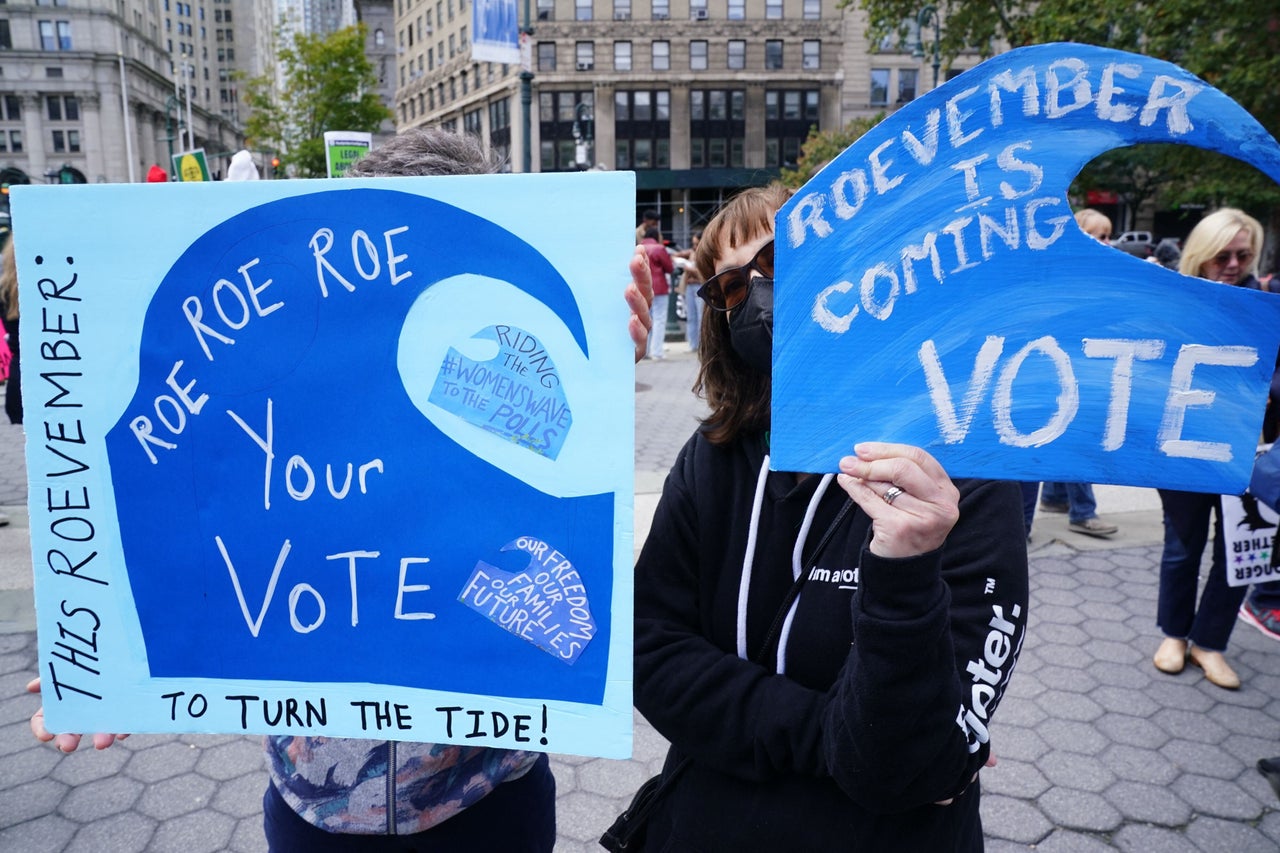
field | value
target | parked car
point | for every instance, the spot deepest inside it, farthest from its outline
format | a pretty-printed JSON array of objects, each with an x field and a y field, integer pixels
[{"x": 1138, "y": 243}]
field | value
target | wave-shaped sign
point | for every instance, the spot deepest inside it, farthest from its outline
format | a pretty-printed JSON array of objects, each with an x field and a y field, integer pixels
[
  {"x": 932, "y": 288},
  {"x": 270, "y": 444}
]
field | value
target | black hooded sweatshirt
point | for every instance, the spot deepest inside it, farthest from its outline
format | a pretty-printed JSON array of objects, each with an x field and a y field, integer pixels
[{"x": 891, "y": 668}]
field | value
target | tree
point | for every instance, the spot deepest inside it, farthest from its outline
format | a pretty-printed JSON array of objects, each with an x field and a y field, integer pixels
[
  {"x": 823, "y": 146},
  {"x": 1235, "y": 46},
  {"x": 329, "y": 84}
]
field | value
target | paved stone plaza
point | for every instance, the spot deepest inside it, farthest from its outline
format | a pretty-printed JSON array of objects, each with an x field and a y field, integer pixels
[{"x": 1097, "y": 750}]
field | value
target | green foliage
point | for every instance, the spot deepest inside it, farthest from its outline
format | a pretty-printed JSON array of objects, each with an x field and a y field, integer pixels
[
  {"x": 1232, "y": 44},
  {"x": 329, "y": 84},
  {"x": 822, "y": 146}
]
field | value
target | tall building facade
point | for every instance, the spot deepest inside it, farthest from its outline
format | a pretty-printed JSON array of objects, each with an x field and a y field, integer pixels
[
  {"x": 99, "y": 91},
  {"x": 698, "y": 97}
]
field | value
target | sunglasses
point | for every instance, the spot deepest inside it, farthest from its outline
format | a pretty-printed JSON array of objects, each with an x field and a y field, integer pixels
[
  {"x": 726, "y": 289},
  {"x": 1243, "y": 256}
]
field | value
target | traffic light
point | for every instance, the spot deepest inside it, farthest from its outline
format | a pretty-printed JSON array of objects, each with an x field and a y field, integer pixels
[{"x": 275, "y": 167}]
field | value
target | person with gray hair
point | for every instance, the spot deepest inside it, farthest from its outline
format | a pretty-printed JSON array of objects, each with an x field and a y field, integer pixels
[{"x": 347, "y": 794}]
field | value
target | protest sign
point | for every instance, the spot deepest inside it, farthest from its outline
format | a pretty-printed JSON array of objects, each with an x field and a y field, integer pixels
[
  {"x": 495, "y": 26},
  {"x": 342, "y": 148},
  {"x": 933, "y": 289},
  {"x": 1249, "y": 533},
  {"x": 347, "y": 457}
]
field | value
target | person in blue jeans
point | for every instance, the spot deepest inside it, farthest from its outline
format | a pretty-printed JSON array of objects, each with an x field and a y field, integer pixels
[{"x": 1077, "y": 500}]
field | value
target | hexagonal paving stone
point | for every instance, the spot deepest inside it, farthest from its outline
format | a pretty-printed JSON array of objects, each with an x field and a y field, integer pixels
[
  {"x": 118, "y": 833},
  {"x": 1070, "y": 706},
  {"x": 1122, "y": 700},
  {"x": 1148, "y": 803},
  {"x": 87, "y": 765},
  {"x": 231, "y": 759},
  {"x": 1014, "y": 779},
  {"x": 248, "y": 836},
  {"x": 28, "y": 765},
  {"x": 199, "y": 832},
  {"x": 1013, "y": 820},
  {"x": 49, "y": 832},
  {"x": 611, "y": 778},
  {"x": 1190, "y": 725},
  {"x": 1217, "y": 798},
  {"x": 1132, "y": 731},
  {"x": 1066, "y": 841},
  {"x": 1021, "y": 744},
  {"x": 1138, "y": 765},
  {"x": 241, "y": 797},
  {"x": 177, "y": 796},
  {"x": 1073, "y": 809},
  {"x": 1205, "y": 759},
  {"x": 1082, "y": 772},
  {"x": 1140, "y": 838},
  {"x": 1243, "y": 721},
  {"x": 1121, "y": 675},
  {"x": 1228, "y": 836},
  {"x": 162, "y": 761},
  {"x": 1179, "y": 691},
  {"x": 100, "y": 798},
  {"x": 18, "y": 805},
  {"x": 582, "y": 816},
  {"x": 1071, "y": 736}
]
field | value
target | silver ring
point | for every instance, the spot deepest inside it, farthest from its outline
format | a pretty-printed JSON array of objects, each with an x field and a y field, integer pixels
[{"x": 891, "y": 494}]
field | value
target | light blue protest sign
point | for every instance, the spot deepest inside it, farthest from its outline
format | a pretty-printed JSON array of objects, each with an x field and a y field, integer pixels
[
  {"x": 341, "y": 458},
  {"x": 933, "y": 288},
  {"x": 495, "y": 28}
]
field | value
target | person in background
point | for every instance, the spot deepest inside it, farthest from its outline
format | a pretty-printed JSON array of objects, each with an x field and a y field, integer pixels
[
  {"x": 1076, "y": 499},
  {"x": 648, "y": 219},
  {"x": 343, "y": 794},
  {"x": 9, "y": 307},
  {"x": 864, "y": 726},
  {"x": 1223, "y": 247},
  {"x": 690, "y": 280},
  {"x": 660, "y": 268}
]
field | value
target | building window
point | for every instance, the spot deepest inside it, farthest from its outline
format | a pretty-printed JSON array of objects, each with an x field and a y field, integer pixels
[
  {"x": 879, "y": 87},
  {"x": 717, "y": 128},
  {"x": 15, "y": 141},
  {"x": 63, "y": 107},
  {"x": 642, "y": 129},
  {"x": 6, "y": 39},
  {"x": 812, "y": 10},
  {"x": 737, "y": 10},
  {"x": 661, "y": 10},
  {"x": 773, "y": 10},
  {"x": 773, "y": 54},
  {"x": 812, "y": 55},
  {"x": 472, "y": 122},
  {"x": 907, "y": 78},
  {"x": 697, "y": 55},
  {"x": 47, "y": 41},
  {"x": 662, "y": 56},
  {"x": 64, "y": 35},
  {"x": 582, "y": 10},
  {"x": 11, "y": 108},
  {"x": 557, "y": 113},
  {"x": 737, "y": 54},
  {"x": 622, "y": 56},
  {"x": 585, "y": 51},
  {"x": 546, "y": 56},
  {"x": 546, "y": 10},
  {"x": 698, "y": 10},
  {"x": 788, "y": 116},
  {"x": 622, "y": 10}
]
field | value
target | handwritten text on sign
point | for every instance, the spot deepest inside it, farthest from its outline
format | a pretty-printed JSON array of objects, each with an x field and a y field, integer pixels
[
  {"x": 934, "y": 289},
  {"x": 256, "y": 519}
]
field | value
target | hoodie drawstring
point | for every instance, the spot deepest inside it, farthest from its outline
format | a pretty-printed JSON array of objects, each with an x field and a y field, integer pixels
[{"x": 748, "y": 561}]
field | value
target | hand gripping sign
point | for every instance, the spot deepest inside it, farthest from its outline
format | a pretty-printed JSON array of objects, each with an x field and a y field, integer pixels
[
  {"x": 333, "y": 458},
  {"x": 933, "y": 288}
]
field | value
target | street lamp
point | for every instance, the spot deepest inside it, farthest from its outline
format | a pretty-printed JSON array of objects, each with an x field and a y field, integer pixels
[
  {"x": 583, "y": 121},
  {"x": 922, "y": 21}
]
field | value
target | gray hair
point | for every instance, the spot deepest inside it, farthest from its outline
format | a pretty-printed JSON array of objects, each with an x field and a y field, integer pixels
[{"x": 425, "y": 151}]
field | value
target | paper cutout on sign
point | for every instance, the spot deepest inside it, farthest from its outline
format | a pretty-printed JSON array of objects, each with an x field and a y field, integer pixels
[
  {"x": 512, "y": 390},
  {"x": 544, "y": 603},
  {"x": 931, "y": 288}
]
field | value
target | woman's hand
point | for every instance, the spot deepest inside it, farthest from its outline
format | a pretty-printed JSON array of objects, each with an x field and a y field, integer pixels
[
  {"x": 639, "y": 296},
  {"x": 64, "y": 742},
  {"x": 922, "y": 503}
]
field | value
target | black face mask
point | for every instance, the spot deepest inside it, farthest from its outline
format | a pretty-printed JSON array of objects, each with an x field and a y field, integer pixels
[{"x": 751, "y": 326}]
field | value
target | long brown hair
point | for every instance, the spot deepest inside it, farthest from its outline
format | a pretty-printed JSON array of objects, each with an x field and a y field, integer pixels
[
  {"x": 9, "y": 281},
  {"x": 737, "y": 393}
]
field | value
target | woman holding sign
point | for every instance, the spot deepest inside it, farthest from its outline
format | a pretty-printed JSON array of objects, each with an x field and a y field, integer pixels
[
  {"x": 1223, "y": 247},
  {"x": 824, "y": 653}
]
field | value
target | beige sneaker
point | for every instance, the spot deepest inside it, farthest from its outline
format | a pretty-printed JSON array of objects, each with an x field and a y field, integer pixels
[{"x": 1094, "y": 527}]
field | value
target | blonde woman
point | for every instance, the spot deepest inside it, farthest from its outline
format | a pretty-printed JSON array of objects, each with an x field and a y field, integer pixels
[{"x": 1223, "y": 247}]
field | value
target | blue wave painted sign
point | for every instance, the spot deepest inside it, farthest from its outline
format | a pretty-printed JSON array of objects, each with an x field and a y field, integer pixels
[
  {"x": 933, "y": 288},
  {"x": 358, "y": 448}
]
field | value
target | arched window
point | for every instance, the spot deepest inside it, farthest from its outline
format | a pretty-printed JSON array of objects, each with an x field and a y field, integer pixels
[{"x": 379, "y": 37}]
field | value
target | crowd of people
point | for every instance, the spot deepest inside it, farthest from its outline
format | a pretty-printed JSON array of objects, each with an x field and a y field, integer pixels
[{"x": 801, "y": 714}]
